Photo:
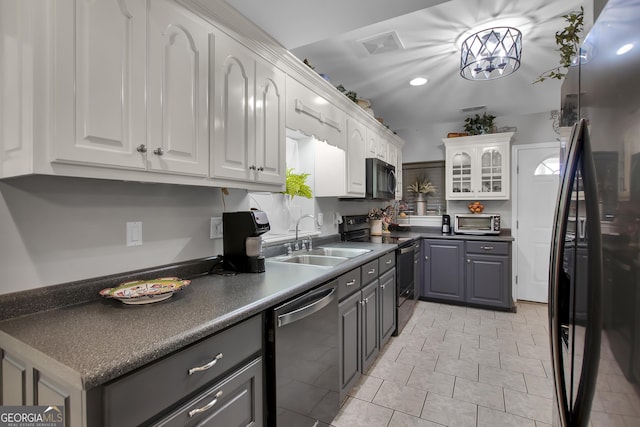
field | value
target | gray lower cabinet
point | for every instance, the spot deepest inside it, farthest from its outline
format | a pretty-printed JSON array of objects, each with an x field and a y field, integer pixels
[
  {"x": 231, "y": 358},
  {"x": 349, "y": 342},
  {"x": 358, "y": 335},
  {"x": 235, "y": 401},
  {"x": 443, "y": 269},
  {"x": 367, "y": 317},
  {"x": 472, "y": 272},
  {"x": 387, "y": 309},
  {"x": 488, "y": 275}
]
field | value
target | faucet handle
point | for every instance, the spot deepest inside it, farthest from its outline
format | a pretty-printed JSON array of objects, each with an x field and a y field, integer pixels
[
  {"x": 288, "y": 247},
  {"x": 310, "y": 246},
  {"x": 304, "y": 244}
]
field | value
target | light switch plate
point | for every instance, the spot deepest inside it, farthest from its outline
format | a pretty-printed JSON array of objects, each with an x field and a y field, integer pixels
[
  {"x": 216, "y": 227},
  {"x": 134, "y": 233}
]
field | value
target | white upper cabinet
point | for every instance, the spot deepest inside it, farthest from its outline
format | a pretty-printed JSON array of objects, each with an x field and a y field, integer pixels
[
  {"x": 141, "y": 85},
  {"x": 314, "y": 115},
  {"x": 106, "y": 121},
  {"x": 178, "y": 85},
  {"x": 270, "y": 151},
  {"x": 249, "y": 137},
  {"x": 372, "y": 144},
  {"x": 478, "y": 167},
  {"x": 356, "y": 147}
]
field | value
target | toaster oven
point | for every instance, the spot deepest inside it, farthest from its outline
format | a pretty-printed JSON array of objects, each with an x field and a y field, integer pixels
[{"x": 476, "y": 224}]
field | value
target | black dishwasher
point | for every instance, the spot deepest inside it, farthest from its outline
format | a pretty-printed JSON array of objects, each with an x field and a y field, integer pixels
[{"x": 303, "y": 360}]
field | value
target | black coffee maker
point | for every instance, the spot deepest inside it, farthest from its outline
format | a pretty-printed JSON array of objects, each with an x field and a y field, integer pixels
[
  {"x": 241, "y": 233},
  {"x": 446, "y": 224}
]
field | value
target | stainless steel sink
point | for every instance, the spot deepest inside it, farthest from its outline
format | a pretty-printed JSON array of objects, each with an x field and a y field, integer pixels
[
  {"x": 311, "y": 259},
  {"x": 339, "y": 252}
]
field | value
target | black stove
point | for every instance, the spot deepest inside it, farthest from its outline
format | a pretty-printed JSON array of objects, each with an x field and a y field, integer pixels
[{"x": 355, "y": 228}]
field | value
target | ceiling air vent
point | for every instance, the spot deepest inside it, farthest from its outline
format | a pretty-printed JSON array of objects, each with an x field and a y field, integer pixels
[
  {"x": 382, "y": 43},
  {"x": 472, "y": 109}
]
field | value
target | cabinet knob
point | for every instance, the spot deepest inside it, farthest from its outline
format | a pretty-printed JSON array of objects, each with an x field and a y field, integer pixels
[
  {"x": 141, "y": 148},
  {"x": 426, "y": 258},
  {"x": 362, "y": 302},
  {"x": 468, "y": 261},
  {"x": 383, "y": 286},
  {"x": 252, "y": 167},
  {"x": 158, "y": 151},
  {"x": 260, "y": 169}
]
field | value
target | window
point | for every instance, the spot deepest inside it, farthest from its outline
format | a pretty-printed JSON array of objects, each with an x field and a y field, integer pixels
[
  {"x": 549, "y": 166},
  {"x": 432, "y": 171}
]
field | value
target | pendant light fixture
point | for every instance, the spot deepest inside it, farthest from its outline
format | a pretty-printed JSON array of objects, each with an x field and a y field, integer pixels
[{"x": 491, "y": 54}]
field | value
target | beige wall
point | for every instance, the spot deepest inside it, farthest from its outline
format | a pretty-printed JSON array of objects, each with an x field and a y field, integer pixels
[{"x": 54, "y": 229}]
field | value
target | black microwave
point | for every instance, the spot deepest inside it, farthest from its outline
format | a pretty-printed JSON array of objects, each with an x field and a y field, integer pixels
[{"x": 380, "y": 180}]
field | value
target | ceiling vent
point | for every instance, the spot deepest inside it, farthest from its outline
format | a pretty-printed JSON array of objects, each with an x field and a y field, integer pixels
[
  {"x": 382, "y": 43},
  {"x": 472, "y": 109}
]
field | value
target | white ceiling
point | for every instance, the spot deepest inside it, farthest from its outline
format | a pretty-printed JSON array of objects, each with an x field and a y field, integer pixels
[{"x": 329, "y": 35}]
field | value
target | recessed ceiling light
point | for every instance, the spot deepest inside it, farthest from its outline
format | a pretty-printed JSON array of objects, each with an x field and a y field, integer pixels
[
  {"x": 624, "y": 49},
  {"x": 418, "y": 81}
]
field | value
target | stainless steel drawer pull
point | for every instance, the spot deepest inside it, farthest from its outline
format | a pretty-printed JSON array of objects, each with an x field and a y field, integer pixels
[
  {"x": 207, "y": 366},
  {"x": 207, "y": 406},
  {"x": 388, "y": 262},
  {"x": 372, "y": 271},
  {"x": 487, "y": 248},
  {"x": 351, "y": 282}
]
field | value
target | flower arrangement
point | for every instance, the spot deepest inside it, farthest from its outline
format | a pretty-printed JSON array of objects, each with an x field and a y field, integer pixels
[
  {"x": 385, "y": 214},
  {"x": 422, "y": 186}
]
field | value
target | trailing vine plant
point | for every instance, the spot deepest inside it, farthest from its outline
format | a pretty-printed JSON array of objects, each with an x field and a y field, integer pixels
[{"x": 568, "y": 42}]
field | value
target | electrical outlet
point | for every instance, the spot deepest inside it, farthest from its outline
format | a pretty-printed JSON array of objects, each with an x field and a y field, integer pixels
[
  {"x": 134, "y": 233},
  {"x": 216, "y": 227}
]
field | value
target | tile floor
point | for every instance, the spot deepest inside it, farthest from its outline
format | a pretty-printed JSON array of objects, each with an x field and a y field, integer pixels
[{"x": 458, "y": 366}]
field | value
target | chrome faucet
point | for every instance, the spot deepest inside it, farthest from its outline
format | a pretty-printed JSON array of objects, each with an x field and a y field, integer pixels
[{"x": 300, "y": 219}]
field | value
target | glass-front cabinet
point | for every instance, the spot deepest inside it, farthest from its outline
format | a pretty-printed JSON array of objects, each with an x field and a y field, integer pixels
[{"x": 477, "y": 167}]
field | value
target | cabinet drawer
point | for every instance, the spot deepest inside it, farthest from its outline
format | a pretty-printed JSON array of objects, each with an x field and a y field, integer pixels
[
  {"x": 235, "y": 401},
  {"x": 387, "y": 262},
  {"x": 488, "y": 248},
  {"x": 349, "y": 283},
  {"x": 139, "y": 396},
  {"x": 370, "y": 272}
]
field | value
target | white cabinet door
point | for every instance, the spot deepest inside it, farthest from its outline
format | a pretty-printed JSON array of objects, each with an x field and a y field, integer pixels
[
  {"x": 234, "y": 109},
  {"x": 478, "y": 167},
  {"x": 372, "y": 144},
  {"x": 270, "y": 141},
  {"x": 107, "y": 55},
  {"x": 178, "y": 90},
  {"x": 381, "y": 152},
  {"x": 356, "y": 143}
]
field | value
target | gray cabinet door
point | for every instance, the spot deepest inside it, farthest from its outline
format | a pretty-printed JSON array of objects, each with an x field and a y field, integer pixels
[
  {"x": 488, "y": 280},
  {"x": 387, "y": 312},
  {"x": 443, "y": 272},
  {"x": 370, "y": 326},
  {"x": 349, "y": 342}
]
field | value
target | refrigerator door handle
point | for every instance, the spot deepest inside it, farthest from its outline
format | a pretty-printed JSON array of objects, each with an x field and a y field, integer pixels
[
  {"x": 555, "y": 275},
  {"x": 593, "y": 331},
  {"x": 579, "y": 156}
]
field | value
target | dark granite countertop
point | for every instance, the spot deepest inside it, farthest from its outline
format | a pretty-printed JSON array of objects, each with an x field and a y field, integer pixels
[
  {"x": 97, "y": 341},
  {"x": 435, "y": 233}
]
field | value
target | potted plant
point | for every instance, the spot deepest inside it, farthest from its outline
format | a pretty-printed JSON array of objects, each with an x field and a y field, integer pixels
[
  {"x": 296, "y": 185},
  {"x": 422, "y": 187},
  {"x": 478, "y": 124},
  {"x": 568, "y": 42}
]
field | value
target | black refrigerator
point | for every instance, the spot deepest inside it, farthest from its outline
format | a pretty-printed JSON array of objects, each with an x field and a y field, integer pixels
[{"x": 594, "y": 292}]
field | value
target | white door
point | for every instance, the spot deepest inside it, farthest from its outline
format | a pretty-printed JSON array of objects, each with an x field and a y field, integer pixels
[{"x": 534, "y": 200}]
